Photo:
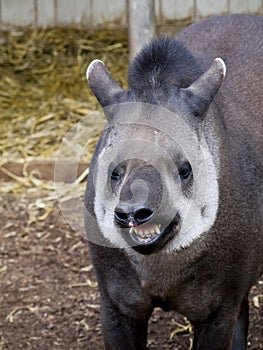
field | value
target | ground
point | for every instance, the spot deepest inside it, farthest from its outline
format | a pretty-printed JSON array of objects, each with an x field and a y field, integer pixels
[{"x": 49, "y": 295}]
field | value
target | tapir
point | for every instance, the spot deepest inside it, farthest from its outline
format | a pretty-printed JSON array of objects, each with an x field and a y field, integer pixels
[{"x": 173, "y": 205}]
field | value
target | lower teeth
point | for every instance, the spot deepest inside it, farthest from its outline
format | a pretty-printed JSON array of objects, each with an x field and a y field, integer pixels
[{"x": 147, "y": 236}]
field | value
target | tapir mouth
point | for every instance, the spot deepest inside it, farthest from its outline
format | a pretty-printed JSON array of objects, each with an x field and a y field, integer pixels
[
  {"x": 145, "y": 234},
  {"x": 148, "y": 239}
]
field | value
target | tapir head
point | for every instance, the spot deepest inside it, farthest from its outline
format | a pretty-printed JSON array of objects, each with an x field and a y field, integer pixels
[{"x": 155, "y": 171}]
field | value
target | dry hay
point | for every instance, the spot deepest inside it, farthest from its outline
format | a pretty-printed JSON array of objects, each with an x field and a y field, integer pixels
[
  {"x": 43, "y": 92},
  {"x": 43, "y": 89}
]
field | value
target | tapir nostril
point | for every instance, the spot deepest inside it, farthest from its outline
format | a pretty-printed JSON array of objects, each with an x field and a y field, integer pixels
[
  {"x": 137, "y": 217},
  {"x": 143, "y": 215},
  {"x": 121, "y": 216}
]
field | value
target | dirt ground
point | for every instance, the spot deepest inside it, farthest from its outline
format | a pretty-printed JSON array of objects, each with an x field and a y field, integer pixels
[{"x": 49, "y": 296}]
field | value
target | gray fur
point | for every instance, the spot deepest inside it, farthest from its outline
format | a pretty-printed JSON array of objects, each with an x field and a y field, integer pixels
[{"x": 207, "y": 278}]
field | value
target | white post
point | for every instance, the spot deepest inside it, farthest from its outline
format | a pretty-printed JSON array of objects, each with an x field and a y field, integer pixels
[{"x": 141, "y": 21}]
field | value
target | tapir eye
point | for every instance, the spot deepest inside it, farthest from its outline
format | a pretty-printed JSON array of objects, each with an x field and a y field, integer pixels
[
  {"x": 115, "y": 176},
  {"x": 185, "y": 170}
]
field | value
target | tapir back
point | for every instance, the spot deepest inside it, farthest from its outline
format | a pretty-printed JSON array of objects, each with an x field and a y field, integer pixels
[{"x": 238, "y": 40}]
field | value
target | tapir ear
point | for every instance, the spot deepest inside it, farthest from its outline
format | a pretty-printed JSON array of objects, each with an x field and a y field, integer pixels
[
  {"x": 201, "y": 93},
  {"x": 101, "y": 83}
]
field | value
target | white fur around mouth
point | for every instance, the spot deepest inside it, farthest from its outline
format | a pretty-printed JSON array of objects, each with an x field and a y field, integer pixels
[{"x": 146, "y": 233}]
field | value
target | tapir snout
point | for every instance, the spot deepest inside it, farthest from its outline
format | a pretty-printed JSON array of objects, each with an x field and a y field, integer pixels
[{"x": 138, "y": 214}]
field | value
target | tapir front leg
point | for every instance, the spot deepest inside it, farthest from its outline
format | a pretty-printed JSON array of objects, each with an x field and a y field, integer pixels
[
  {"x": 217, "y": 332},
  {"x": 125, "y": 309},
  {"x": 241, "y": 329},
  {"x": 121, "y": 331}
]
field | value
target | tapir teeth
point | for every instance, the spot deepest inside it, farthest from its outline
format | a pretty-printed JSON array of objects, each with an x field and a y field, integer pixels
[{"x": 146, "y": 232}]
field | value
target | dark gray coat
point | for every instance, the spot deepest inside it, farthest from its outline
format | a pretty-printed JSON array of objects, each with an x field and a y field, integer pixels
[{"x": 203, "y": 270}]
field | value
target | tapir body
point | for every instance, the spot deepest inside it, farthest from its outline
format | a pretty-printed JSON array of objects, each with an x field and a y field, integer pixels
[{"x": 193, "y": 241}]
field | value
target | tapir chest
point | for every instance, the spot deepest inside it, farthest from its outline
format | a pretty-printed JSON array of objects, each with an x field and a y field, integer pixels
[{"x": 189, "y": 287}]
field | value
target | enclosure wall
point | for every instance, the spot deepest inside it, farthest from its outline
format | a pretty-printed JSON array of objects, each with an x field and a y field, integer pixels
[{"x": 94, "y": 13}]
